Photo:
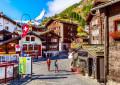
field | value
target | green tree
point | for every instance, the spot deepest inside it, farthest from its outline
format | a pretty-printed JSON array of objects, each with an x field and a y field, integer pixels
[
  {"x": 83, "y": 23},
  {"x": 80, "y": 29}
]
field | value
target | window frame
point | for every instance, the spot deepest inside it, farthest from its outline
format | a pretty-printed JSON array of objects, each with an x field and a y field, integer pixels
[
  {"x": 115, "y": 24},
  {"x": 7, "y": 28},
  {"x": 24, "y": 46},
  {"x": 30, "y": 48},
  {"x": 33, "y": 39},
  {"x": 27, "y": 37}
]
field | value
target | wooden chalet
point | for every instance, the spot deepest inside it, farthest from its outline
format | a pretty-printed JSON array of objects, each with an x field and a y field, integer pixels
[
  {"x": 51, "y": 45},
  {"x": 30, "y": 45},
  {"x": 64, "y": 29}
]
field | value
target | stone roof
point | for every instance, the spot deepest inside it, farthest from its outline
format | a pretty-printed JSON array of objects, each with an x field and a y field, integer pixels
[{"x": 96, "y": 49}]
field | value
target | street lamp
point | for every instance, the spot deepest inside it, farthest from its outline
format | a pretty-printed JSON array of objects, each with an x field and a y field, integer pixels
[{"x": 21, "y": 27}]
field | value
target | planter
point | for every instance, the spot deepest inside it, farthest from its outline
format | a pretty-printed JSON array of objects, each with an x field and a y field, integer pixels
[{"x": 117, "y": 39}]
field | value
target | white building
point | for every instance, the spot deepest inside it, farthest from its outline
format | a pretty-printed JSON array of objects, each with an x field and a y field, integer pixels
[{"x": 8, "y": 24}]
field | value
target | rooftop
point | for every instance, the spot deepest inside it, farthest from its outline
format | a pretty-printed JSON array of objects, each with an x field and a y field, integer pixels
[{"x": 96, "y": 49}]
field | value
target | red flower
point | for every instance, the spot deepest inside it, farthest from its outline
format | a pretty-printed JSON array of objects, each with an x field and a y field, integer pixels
[{"x": 115, "y": 35}]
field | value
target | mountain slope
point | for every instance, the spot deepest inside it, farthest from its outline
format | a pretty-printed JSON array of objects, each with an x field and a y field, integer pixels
[{"x": 76, "y": 13}]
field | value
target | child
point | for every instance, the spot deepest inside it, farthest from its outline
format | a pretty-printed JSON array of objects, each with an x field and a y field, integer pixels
[
  {"x": 56, "y": 65},
  {"x": 48, "y": 64}
]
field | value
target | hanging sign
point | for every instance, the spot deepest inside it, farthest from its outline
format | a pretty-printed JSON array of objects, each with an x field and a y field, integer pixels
[
  {"x": 17, "y": 47},
  {"x": 25, "y": 65}
]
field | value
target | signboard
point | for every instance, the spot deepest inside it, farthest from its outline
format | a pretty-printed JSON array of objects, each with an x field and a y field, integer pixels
[
  {"x": 17, "y": 47},
  {"x": 25, "y": 65},
  {"x": 25, "y": 42},
  {"x": 9, "y": 71},
  {"x": 2, "y": 72},
  {"x": 35, "y": 43}
]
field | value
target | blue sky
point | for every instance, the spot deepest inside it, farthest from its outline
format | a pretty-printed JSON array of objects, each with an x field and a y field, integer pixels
[{"x": 15, "y": 8}]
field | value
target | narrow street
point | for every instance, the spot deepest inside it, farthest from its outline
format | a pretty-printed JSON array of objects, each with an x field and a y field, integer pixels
[{"x": 41, "y": 76}]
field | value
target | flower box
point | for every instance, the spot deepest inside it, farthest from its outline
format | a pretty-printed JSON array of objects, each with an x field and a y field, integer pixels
[{"x": 115, "y": 35}]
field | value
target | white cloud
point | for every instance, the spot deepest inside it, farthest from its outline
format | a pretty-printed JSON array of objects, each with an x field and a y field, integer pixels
[
  {"x": 19, "y": 21},
  {"x": 41, "y": 15},
  {"x": 57, "y": 6},
  {"x": 8, "y": 1}
]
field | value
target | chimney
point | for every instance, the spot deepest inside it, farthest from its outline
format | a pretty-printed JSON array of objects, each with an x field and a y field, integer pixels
[{"x": 1, "y": 13}]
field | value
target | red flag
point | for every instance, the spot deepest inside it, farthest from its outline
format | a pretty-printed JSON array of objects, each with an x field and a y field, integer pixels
[{"x": 25, "y": 30}]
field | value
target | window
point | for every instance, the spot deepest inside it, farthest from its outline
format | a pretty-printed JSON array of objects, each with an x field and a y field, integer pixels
[
  {"x": 13, "y": 36},
  {"x": 27, "y": 38},
  {"x": 24, "y": 47},
  {"x": 30, "y": 47},
  {"x": 7, "y": 28},
  {"x": 56, "y": 22},
  {"x": 56, "y": 28},
  {"x": 81, "y": 53},
  {"x": 117, "y": 27},
  {"x": 1, "y": 37},
  {"x": 7, "y": 22},
  {"x": 35, "y": 47},
  {"x": 32, "y": 38},
  {"x": 93, "y": 38},
  {"x": 15, "y": 29}
]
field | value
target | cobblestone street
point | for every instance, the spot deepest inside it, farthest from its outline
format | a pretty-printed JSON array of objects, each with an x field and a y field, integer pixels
[{"x": 41, "y": 76}]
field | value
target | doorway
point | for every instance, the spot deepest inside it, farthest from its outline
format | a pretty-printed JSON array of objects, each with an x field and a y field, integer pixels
[{"x": 90, "y": 60}]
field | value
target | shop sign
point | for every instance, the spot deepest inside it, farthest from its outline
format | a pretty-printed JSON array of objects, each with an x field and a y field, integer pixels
[
  {"x": 25, "y": 42},
  {"x": 25, "y": 65},
  {"x": 9, "y": 71},
  {"x": 2, "y": 72},
  {"x": 17, "y": 47},
  {"x": 35, "y": 43}
]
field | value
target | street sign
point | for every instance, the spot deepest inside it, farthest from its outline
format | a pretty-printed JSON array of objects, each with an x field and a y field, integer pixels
[
  {"x": 25, "y": 65},
  {"x": 17, "y": 47}
]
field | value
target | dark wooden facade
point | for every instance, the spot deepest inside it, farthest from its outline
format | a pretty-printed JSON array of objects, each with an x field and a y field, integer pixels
[
  {"x": 65, "y": 29},
  {"x": 52, "y": 41}
]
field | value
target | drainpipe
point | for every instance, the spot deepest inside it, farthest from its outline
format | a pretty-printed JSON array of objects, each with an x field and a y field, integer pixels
[{"x": 105, "y": 43}]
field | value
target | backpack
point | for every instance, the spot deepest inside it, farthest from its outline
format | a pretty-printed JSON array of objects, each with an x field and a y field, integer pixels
[{"x": 55, "y": 64}]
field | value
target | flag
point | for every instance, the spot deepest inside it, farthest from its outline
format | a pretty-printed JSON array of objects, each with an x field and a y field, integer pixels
[{"x": 25, "y": 30}]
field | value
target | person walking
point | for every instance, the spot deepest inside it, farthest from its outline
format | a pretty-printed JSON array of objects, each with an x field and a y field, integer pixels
[
  {"x": 56, "y": 66},
  {"x": 48, "y": 64}
]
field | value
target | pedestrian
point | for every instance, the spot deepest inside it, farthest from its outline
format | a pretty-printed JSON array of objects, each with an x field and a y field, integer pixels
[
  {"x": 56, "y": 65},
  {"x": 48, "y": 64}
]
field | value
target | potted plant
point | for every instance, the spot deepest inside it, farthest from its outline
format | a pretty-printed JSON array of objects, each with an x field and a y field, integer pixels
[
  {"x": 115, "y": 35},
  {"x": 82, "y": 71}
]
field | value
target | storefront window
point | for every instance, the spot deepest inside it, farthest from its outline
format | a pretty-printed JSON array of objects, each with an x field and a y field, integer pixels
[
  {"x": 30, "y": 47},
  {"x": 24, "y": 47},
  {"x": 35, "y": 47}
]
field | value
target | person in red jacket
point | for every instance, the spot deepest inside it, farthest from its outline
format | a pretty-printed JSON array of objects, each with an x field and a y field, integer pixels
[{"x": 48, "y": 64}]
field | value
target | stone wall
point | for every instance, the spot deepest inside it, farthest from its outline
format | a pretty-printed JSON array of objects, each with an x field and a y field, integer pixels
[{"x": 114, "y": 46}]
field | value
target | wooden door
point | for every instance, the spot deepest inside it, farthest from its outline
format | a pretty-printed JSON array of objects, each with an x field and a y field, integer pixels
[{"x": 39, "y": 50}]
